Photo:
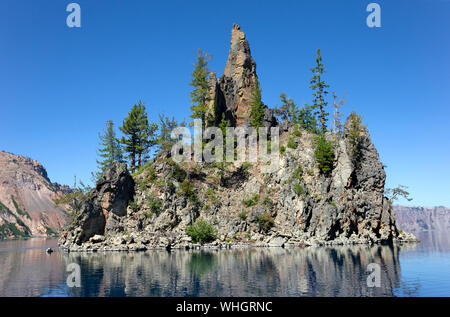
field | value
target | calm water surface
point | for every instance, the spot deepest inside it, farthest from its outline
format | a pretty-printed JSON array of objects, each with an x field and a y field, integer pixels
[{"x": 414, "y": 270}]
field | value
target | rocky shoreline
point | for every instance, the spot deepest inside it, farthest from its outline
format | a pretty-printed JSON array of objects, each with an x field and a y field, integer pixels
[{"x": 97, "y": 244}]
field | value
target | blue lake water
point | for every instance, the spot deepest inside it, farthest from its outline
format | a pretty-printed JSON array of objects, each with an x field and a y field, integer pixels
[{"x": 412, "y": 270}]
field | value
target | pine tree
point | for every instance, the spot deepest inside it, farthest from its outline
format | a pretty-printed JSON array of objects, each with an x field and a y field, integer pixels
[
  {"x": 337, "y": 123},
  {"x": 110, "y": 149},
  {"x": 288, "y": 110},
  {"x": 354, "y": 132},
  {"x": 257, "y": 108},
  {"x": 319, "y": 87},
  {"x": 166, "y": 126},
  {"x": 199, "y": 82},
  {"x": 307, "y": 119},
  {"x": 324, "y": 155},
  {"x": 223, "y": 125},
  {"x": 139, "y": 135}
]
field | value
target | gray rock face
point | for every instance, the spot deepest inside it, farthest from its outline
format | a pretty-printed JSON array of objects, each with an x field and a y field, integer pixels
[
  {"x": 231, "y": 94},
  {"x": 245, "y": 206},
  {"x": 99, "y": 215}
]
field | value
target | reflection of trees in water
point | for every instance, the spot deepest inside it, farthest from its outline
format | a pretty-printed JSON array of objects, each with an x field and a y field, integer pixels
[{"x": 337, "y": 271}]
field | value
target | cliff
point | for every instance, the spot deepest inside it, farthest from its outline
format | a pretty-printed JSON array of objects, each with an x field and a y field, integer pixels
[
  {"x": 293, "y": 205},
  {"x": 245, "y": 206},
  {"x": 26, "y": 193},
  {"x": 422, "y": 219}
]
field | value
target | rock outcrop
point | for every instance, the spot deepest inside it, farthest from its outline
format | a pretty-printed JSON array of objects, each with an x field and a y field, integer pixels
[
  {"x": 26, "y": 193},
  {"x": 106, "y": 205},
  {"x": 296, "y": 204},
  {"x": 231, "y": 94}
]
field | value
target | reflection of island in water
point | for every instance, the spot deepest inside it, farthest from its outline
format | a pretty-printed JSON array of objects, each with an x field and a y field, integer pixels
[
  {"x": 254, "y": 272},
  {"x": 334, "y": 271}
]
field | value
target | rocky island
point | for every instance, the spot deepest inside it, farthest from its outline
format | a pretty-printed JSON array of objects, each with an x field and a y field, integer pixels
[{"x": 169, "y": 205}]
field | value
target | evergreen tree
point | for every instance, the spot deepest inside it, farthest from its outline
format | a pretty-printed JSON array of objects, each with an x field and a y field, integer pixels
[
  {"x": 324, "y": 154},
  {"x": 288, "y": 109},
  {"x": 110, "y": 149},
  {"x": 199, "y": 82},
  {"x": 355, "y": 129},
  {"x": 394, "y": 193},
  {"x": 307, "y": 119},
  {"x": 223, "y": 125},
  {"x": 257, "y": 107},
  {"x": 139, "y": 135},
  {"x": 319, "y": 87},
  {"x": 166, "y": 126},
  {"x": 337, "y": 123}
]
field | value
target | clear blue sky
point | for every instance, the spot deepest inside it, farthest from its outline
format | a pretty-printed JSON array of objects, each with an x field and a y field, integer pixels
[{"x": 58, "y": 85}]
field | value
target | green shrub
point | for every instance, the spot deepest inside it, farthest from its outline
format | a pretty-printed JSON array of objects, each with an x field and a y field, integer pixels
[
  {"x": 133, "y": 205},
  {"x": 298, "y": 173},
  {"x": 20, "y": 211},
  {"x": 178, "y": 173},
  {"x": 310, "y": 172},
  {"x": 243, "y": 215},
  {"x": 267, "y": 202},
  {"x": 213, "y": 198},
  {"x": 154, "y": 204},
  {"x": 324, "y": 155},
  {"x": 265, "y": 221},
  {"x": 298, "y": 189},
  {"x": 282, "y": 149},
  {"x": 252, "y": 201},
  {"x": 297, "y": 132},
  {"x": 246, "y": 165},
  {"x": 201, "y": 231},
  {"x": 188, "y": 191},
  {"x": 292, "y": 144},
  {"x": 50, "y": 232}
]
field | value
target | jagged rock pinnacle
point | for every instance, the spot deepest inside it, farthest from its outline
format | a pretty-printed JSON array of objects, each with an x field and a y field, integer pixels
[
  {"x": 239, "y": 77},
  {"x": 231, "y": 94}
]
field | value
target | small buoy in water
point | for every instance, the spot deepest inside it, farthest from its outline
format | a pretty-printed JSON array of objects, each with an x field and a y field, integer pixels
[{"x": 49, "y": 250}]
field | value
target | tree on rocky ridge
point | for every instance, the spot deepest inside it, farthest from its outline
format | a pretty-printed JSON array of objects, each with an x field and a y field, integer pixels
[
  {"x": 307, "y": 119},
  {"x": 319, "y": 87},
  {"x": 288, "y": 109},
  {"x": 110, "y": 149},
  {"x": 356, "y": 128},
  {"x": 166, "y": 126},
  {"x": 199, "y": 82},
  {"x": 394, "y": 193},
  {"x": 257, "y": 108},
  {"x": 337, "y": 123},
  {"x": 139, "y": 135},
  {"x": 324, "y": 154}
]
